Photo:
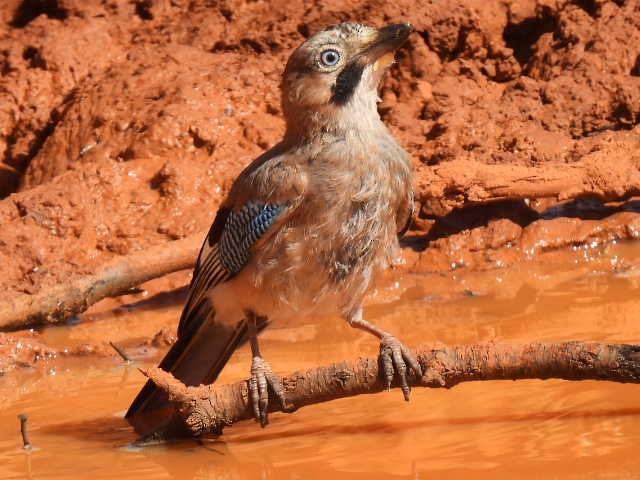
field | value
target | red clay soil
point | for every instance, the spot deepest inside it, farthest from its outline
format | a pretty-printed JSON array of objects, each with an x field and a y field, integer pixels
[{"x": 123, "y": 123}]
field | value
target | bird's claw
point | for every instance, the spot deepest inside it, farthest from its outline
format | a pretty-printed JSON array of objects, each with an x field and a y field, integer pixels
[
  {"x": 394, "y": 358},
  {"x": 263, "y": 378}
]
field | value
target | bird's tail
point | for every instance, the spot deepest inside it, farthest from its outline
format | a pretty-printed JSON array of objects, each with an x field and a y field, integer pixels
[{"x": 196, "y": 358}]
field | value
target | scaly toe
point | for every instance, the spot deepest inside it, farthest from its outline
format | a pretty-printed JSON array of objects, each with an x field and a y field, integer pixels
[
  {"x": 395, "y": 357},
  {"x": 262, "y": 379},
  {"x": 386, "y": 359}
]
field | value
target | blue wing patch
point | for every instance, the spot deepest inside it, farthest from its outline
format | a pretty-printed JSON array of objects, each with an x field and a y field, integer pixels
[
  {"x": 225, "y": 252},
  {"x": 242, "y": 229}
]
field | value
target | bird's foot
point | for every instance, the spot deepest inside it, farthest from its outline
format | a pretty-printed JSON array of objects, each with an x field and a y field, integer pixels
[
  {"x": 263, "y": 378},
  {"x": 394, "y": 358}
]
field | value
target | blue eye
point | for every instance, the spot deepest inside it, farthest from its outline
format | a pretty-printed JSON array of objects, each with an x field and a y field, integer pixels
[{"x": 330, "y": 58}]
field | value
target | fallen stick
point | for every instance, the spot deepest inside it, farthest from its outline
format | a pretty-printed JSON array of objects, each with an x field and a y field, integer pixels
[
  {"x": 121, "y": 353},
  {"x": 24, "y": 419},
  {"x": 208, "y": 409},
  {"x": 63, "y": 301},
  {"x": 454, "y": 184}
]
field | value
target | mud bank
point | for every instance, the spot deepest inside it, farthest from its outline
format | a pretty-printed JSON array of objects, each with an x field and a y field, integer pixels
[{"x": 123, "y": 123}]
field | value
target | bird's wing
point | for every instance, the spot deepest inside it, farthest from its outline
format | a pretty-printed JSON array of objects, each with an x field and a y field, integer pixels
[
  {"x": 205, "y": 342},
  {"x": 226, "y": 250},
  {"x": 257, "y": 206},
  {"x": 262, "y": 198}
]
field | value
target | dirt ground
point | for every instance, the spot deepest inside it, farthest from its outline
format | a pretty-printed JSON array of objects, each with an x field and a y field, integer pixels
[{"x": 123, "y": 123}]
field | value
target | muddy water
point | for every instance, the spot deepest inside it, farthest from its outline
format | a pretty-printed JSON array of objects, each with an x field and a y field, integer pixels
[{"x": 524, "y": 429}]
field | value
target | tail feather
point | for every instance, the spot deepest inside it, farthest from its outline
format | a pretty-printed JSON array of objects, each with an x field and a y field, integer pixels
[
  {"x": 205, "y": 342},
  {"x": 196, "y": 358}
]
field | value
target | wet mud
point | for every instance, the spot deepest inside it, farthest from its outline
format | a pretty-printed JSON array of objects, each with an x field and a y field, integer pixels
[
  {"x": 123, "y": 124},
  {"x": 499, "y": 429}
]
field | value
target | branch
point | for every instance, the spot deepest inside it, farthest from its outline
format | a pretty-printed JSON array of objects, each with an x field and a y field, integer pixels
[
  {"x": 75, "y": 296},
  {"x": 208, "y": 409},
  {"x": 454, "y": 184}
]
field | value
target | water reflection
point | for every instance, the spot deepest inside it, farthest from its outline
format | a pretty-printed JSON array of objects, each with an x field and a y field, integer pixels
[{"x": 526, "y": 429}]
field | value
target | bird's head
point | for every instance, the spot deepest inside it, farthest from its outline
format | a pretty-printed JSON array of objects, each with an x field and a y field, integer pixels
[{"x": 334, "y": 75}]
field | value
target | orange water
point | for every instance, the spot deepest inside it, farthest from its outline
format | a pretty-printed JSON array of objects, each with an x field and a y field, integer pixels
[{"x": 524, "y": 429}]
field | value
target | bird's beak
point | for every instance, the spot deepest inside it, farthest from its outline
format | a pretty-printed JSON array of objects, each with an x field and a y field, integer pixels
[{"x": 384, "y": 41}]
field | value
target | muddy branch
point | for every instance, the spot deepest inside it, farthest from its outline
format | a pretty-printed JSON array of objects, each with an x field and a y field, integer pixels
[
  {"x": 75, "y": 296},
  {"x": 458, "y": 182},
  {"x": 208, "y": 409}
]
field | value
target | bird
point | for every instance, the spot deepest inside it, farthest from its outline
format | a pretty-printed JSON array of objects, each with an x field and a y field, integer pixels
[{"x": 305, "y": 227}]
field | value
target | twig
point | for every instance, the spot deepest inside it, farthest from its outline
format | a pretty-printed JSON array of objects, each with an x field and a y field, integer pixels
[
  {"x": 208, "y": 409},
  {"x": 24, "y": 419},
  {"x": 120, "y": 351},
  {"x": 66, "y": 300}
]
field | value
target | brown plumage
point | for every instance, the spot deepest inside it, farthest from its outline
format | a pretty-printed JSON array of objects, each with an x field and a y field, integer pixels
[{"x": 306, "y": 226}]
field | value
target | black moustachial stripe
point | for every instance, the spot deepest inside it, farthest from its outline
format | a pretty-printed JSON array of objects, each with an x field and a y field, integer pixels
[{"x": 346, "y": 83}]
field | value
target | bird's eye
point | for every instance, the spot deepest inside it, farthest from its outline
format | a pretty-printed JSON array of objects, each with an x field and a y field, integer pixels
[{"x": 330, "y": 58}]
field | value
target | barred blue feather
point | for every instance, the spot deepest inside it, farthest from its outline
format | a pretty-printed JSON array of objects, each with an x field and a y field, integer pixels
[
  {"x": 225, "y": 253},
  {"x": 242, "y": 229}
]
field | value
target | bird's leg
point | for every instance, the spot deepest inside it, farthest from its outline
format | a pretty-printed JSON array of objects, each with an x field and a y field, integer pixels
[
  {"x": 262, "y": 377},
  {"x": 394, "y": 355}
]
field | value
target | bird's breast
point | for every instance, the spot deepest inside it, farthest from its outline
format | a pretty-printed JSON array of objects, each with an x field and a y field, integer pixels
[{"x": 341, "y": 234}]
